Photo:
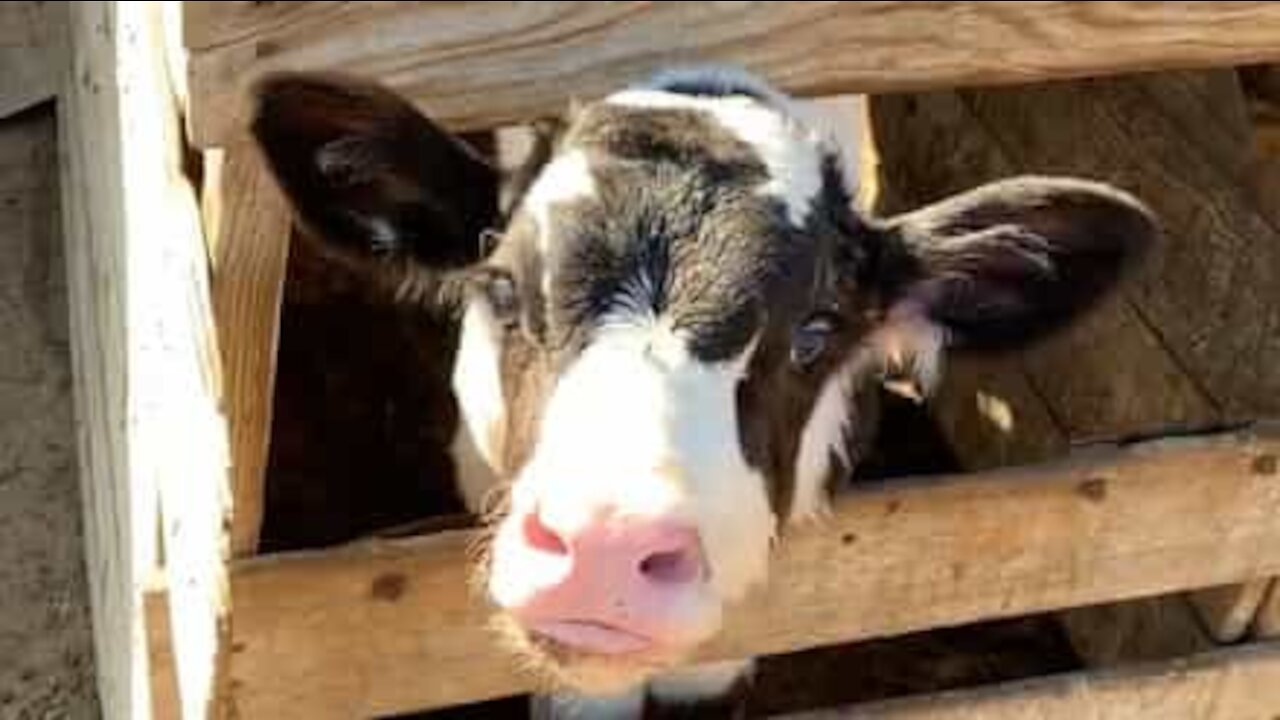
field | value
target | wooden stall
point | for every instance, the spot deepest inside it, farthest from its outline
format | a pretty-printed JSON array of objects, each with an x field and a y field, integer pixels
[{"x": 178, "y": 248}]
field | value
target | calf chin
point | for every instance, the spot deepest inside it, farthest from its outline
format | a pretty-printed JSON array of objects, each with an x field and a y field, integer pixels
[{"x": 711, "y": 690}]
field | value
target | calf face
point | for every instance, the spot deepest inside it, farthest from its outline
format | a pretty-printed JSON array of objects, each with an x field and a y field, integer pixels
[{"x": 660, "y": 356}]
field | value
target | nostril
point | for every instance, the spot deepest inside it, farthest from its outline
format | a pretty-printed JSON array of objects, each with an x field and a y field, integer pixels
[
  {"x": 541, "y": 537},
  {"x": 673, "y": 567}
]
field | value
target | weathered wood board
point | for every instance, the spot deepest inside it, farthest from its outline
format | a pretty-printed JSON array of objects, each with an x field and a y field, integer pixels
[
  {"x": 151, "y": 438},
  {"x": 385, "y": 626},
  {"x": 484, "y": 66}
]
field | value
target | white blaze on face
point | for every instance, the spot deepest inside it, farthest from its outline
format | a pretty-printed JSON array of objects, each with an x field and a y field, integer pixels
[
  {"x": 565, "y": 179},
  {"x": 638, "y": 426},
  {"x": 792, "y": 154}
]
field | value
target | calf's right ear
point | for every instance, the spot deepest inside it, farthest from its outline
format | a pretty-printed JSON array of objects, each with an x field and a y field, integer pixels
[{"x": 369, "y": 175}]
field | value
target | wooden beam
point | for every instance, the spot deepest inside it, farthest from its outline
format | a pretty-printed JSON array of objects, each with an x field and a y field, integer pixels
[
  {"x": 390, "y": 626},
  {"x": 120, "y": 509},
  {"x": 483, "y": 66},
  {"x": 144, "y": 358},
  {"x": 248, "y": 226},
  {"x": 31, "y": 53},
  {"x": 1236, "y": 684}
]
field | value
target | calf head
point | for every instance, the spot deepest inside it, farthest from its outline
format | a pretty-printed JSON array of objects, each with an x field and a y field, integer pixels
[{"x": 659, "y": 355}]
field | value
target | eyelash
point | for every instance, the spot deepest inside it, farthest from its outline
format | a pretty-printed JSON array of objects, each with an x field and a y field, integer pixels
[{"x": 503, "y": 297}]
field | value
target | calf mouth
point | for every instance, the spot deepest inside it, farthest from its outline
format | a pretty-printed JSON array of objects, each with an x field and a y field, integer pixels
[
  {"x": 616, "y": 661},
  {"x": 590, "y": 635}
]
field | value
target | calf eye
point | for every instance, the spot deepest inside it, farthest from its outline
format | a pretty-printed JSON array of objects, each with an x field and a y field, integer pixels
[
  {"x": 810, "y": 339},
  {"x": 503, "y": 299}
]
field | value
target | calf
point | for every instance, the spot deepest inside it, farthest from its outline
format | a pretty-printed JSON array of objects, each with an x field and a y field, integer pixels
[{"x": 665, "y": 355}]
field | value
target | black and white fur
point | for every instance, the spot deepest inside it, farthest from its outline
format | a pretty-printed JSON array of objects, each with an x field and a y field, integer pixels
[{"x": 685, "y": 285}]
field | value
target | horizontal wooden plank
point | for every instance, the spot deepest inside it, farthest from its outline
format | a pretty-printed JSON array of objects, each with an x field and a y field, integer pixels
[
  {"x": 502, "y": 62},
  {"x": 391, "y": 626},
  {"x": 1238, "y": 684}
]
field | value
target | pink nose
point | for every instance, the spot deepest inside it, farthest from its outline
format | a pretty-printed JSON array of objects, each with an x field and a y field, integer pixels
[{"x": 612, "y": 585}]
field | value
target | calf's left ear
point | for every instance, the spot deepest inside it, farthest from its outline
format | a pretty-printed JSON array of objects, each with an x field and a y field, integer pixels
[
  {"x": 368, "y": 175},
  {"x": 1001, "y": 266}
]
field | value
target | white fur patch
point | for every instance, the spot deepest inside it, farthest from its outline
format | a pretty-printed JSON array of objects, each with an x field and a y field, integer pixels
[
  {"x": 791, "y": 153},
  {"x": 477, "y": 383},
  {"x": 475, "y": 475},
  {"x": 708, "y": 681},
  {"x": 825, "y": 434},
  {"x": 564, "y": 179},
  {"x": 638, "y": 425},
  {"x": 911, "y": 347}
]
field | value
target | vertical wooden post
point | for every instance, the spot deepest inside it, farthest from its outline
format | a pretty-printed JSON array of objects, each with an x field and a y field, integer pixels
[{"x": 145, "y": 359}]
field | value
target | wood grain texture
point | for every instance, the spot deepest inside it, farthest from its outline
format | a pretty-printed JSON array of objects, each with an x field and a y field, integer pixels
[
  {"x": 483, "y": 66},
  {"x": 390, "y": 626},
  {"x": 1236, "y": 684},
  {"x": 249, "y": 235},
  {"x": 31, "y": 53},
  {"x": 145, "y": 360},
  {"x": 165, "y": 702},
  {"x": 119, "y": 509}
]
